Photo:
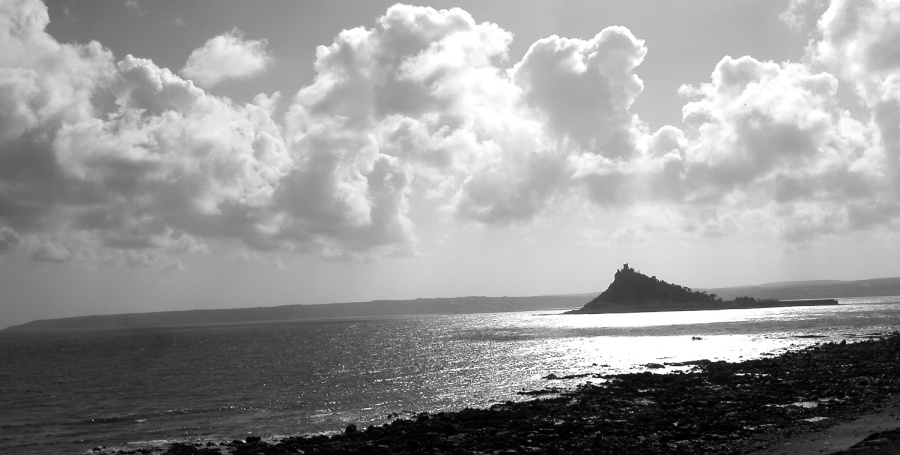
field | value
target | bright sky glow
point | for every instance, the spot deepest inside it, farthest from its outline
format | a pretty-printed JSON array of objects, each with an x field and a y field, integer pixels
[{"x": 161, "y": 155}]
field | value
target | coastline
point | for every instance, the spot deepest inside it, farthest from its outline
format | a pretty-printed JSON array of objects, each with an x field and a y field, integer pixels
[
  {"x": 874, "y": 433},
  {"x": 609, "y": 308},
  {"x": 717, "y": 407}
]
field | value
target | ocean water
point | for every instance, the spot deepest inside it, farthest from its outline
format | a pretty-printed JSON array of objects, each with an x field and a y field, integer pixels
[{"x": 70, "y": 392}]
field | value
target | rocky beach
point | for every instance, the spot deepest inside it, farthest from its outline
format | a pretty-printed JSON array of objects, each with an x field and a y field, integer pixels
[{"x": 711, "y": 408}]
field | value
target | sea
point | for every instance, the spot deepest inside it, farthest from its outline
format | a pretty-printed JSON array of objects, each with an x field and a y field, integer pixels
[{"x": 70, "y": 392}]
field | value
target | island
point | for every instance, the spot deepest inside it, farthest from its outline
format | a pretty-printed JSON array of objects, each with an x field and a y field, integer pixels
[{"x": 633, "y": 292}]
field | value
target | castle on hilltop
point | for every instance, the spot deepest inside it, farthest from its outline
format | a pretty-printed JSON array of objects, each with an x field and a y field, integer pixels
[
  {"x": 632, "y": 291},
  {"x": 631, "y": 286}
]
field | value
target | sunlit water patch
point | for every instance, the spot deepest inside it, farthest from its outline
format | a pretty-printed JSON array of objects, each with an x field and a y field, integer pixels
[{"x": 74, "y": 391}]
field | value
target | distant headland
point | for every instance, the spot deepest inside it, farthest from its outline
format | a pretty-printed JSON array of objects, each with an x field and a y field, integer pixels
[
  {"x": 634, "y": 292},
  {"x": 622, "y": 297}
]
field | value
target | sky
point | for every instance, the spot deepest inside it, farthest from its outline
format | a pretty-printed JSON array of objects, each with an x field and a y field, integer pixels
[{"x": 167, "y": 155}]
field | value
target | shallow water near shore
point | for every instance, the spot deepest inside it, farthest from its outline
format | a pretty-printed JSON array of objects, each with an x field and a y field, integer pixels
[{"x": 69, "y": 392}]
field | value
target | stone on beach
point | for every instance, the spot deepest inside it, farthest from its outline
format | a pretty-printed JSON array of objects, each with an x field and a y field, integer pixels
[{"x": 716, "y": 408}]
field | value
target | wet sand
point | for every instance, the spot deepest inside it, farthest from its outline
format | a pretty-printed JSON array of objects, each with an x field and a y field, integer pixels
[{"x": 847, "y": 435}]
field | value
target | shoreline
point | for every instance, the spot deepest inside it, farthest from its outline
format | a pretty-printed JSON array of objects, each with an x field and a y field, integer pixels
[
  {"x": 857, "y": 435},
  {"x": 607, "y": 308},
  {"x": 717, "y": 407}
]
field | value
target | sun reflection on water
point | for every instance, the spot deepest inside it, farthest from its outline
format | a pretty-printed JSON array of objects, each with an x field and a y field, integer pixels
[{"x": 318, "y": 376}]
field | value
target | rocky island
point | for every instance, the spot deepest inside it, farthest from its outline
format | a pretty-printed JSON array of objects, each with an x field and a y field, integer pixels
[{"x": 634, "y": 292}]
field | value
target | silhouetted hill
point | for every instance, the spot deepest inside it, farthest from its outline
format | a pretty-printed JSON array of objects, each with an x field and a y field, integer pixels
[
  {"x": 630, "y": 286},
  {"x": 632, "y": 291},
  {"x": 285, "y": 313}
]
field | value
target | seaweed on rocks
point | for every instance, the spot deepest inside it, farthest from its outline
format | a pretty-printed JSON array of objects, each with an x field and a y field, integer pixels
[{"x": 715, "y": 408}]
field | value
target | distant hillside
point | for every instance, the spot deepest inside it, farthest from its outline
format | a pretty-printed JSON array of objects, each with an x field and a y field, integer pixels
[
  {"x": 814, "y": 289},
  {"x": 785, "y": 290},
  {"x": 375, "y": 308}
]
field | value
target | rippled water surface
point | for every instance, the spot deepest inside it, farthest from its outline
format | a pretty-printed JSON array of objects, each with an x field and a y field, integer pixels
[{"x": 70, "y": 392}]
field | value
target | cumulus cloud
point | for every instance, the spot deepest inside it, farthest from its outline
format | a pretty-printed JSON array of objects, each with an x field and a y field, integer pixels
[
  {"x": 767, "y": 144},
  {"x": 858, "y": 41},
  {"x": 771, "y": 137},
  {"x": 763, "y": 144},
  {"x": 428, "y": 88},
  {"x": 117, "y": 161},
  {"x": 127, "y": 162},
  {"x": 584, "y": 89},
  {"x": 802, "y": 15},
  {"x": 420, "y": 91},
  {"x": 226, "y": 56},
  {"x": 759, "y": 121}
]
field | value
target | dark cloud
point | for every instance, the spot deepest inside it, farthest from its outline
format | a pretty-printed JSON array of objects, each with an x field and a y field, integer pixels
[
  {"x": 8, "y": 239},
  {"x": 498, "y": 196}
]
